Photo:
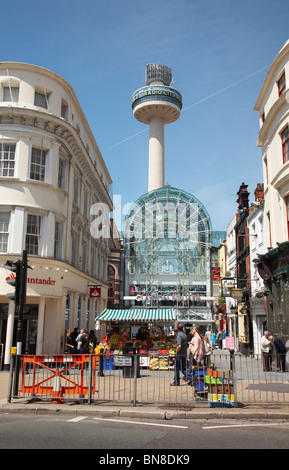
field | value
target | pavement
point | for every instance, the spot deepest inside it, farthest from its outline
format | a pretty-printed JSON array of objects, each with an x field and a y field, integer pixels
[{"x": 164, "y": 411}]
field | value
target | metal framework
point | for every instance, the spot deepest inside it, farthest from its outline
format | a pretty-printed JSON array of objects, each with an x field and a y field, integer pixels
[{"x": 167, "y": 238}]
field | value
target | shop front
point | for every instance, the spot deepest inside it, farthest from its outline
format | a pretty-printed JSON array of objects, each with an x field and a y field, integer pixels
[
  {"x": 147, "y": 332},
  {"x": 57, "y": 298}
]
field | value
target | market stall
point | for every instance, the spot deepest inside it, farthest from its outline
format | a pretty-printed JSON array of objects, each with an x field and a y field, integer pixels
[{"x": 147, "y": 332}]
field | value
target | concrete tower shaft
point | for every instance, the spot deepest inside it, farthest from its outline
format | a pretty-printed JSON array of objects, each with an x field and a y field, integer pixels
[{"x": 157, "y": 104}]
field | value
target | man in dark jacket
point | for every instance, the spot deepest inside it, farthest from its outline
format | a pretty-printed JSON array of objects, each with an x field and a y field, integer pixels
[
  {"x": 180, "y": 355},
  {"x": 281, "y": 352}
]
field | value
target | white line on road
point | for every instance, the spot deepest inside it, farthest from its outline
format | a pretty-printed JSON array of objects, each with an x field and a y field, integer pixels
[
  {"x": 147, "y": 424},
  {"x": 75, "y": 420},
  {"x": 244, "y": 425}
]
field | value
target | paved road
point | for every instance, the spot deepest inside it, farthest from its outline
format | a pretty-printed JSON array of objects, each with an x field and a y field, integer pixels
[{"x": 27, "y": 431}]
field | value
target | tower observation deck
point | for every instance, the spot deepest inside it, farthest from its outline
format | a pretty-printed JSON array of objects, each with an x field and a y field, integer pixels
[{"x": 157, "y": 104}]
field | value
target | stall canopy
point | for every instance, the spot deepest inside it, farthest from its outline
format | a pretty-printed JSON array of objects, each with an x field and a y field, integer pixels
[{"x": 138, "y": 315}]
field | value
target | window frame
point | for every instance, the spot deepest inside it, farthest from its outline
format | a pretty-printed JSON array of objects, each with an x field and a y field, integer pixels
[
  {"x": 281, "y": 86},
  {"x": 4, "y": 233},
  {"x": 41, "y": 97},
  {"x": 285, "y": 143},
  {"x": 40, "y": 166},
  {"x": 111, "y": 284},
  {"x": 8, "y": 160},
  {"x": 33, "y": 235},
  {"x": 10, "y": 89}
]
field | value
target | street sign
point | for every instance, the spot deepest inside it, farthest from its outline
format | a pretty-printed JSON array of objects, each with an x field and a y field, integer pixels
[
  {"x": 122, "y": 360},
  {"x": 237, "y": 294},
  {"x": 229, "y": 342}
]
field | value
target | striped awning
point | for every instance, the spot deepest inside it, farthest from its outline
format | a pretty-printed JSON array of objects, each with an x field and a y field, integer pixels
[{"x": 137, "y": 315}]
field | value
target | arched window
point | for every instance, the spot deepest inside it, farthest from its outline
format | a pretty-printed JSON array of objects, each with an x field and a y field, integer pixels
[{"x": 111, "y": 283}]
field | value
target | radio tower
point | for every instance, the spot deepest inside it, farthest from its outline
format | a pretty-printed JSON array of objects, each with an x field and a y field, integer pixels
[{"x": 157, "y": 104}]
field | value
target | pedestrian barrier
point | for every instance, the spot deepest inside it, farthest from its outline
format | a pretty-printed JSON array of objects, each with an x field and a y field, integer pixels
[
  {"x": 57, "y": 394},
  {"x": 58, "y": 376},
  {"x": 228, "y": 379}
]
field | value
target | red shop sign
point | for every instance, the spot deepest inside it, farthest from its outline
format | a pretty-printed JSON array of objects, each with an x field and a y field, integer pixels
[{"x": 95, "y": 292}]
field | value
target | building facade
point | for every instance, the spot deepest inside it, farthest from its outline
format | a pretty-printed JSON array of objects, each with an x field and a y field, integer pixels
[
  {"x": 51, "y": 175},
  {"x": 272, "y": 106},
  {"x": 168, "y": 240}
]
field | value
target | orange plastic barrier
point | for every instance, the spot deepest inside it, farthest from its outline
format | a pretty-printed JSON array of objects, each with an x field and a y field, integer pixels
[{"x": 56, "y": 375}]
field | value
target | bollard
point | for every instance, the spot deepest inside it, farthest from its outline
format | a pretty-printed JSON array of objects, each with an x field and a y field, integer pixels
[{"x": 100, "y": 364}]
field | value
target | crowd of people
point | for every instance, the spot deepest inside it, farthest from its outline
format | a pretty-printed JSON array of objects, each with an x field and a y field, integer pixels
[
  {"x": 80, "y": 342},
  {"x": 194, "y": 348},
  {"x": 267, "y": 342}
]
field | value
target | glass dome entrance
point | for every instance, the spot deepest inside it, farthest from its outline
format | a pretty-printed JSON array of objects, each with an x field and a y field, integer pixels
[{"x": 167, "y": 239}]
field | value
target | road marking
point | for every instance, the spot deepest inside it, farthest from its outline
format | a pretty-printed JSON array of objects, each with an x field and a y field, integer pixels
[
  {"x": 147, "y": 424},
  {"x": 75, "y": 420},
  {"x": 244, "y": 425}
]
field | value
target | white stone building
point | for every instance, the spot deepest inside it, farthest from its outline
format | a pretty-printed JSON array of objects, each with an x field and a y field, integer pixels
[
  {"x": 51, "y": 173},
  {"x": 258, "y": 246},
  {"x": 273, "y": 108}
]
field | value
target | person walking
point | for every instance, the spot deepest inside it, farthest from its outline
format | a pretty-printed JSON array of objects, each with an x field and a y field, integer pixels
[
  {"x": 213, "y": 339},
  {"x": 181, "y": 355},
  {"x": 219, "y": 338},
  {"x": 208, "y": 334},
  {"x": 266, "y": 349},
  {"x": 207, "y": 351},
  {"x": 84, "y": 342},
  {"x": 69, "y": 345},
  {"x": 196, "y": 348},
  {"x": 281, "y": 352}
]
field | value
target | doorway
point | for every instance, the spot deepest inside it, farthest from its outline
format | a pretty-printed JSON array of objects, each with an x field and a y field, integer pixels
[{"x": 30, "y": 323}]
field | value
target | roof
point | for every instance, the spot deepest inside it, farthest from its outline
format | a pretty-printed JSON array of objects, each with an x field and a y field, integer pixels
[{"x": 138, "y": 315}]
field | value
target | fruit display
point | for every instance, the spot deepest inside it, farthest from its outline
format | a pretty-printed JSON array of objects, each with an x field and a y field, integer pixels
[{"x": 157, "y": 351}]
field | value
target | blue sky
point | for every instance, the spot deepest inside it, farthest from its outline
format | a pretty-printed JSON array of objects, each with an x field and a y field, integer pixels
[{"x": 219, "y": 51}]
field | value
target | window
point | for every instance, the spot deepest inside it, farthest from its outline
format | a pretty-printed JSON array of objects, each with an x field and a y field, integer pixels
[
  {"x": 111, "y": 283},
  {"x": 266, "y": 170},
  {"x": 93, "y": 261},
  {"x": 74, "y": 248},
  {"x": 33, "y": 234},
  {"x": 7, "y": 159},
  {"x": 285, "y": 144},
  {"x": 10, "y": 93},
  {"x": 64, "y": 110},
  {"x": 269, "y": 227},
  {"x": 76, "y": 189},
  {"x": 79, "y": 313},
  {"x": 37, "y": 168},
  {"x": 58, "y": 240},
  {"x": 68, "y": 311},
  {"x": 85, "y": 201},
  {"x": 88, "y": 314},
  {"x": 287, "y": 212},
  {"x": 62, "y": 173},
  {"x": 41, "y": 100},
  {"x": 4, "y": 231},
  {"x": 281, "y": 84},
  {"x": 84, "y": 255}
]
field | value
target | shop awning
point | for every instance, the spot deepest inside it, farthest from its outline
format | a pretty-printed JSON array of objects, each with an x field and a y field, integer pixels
[{"x": 137, "y": 315}]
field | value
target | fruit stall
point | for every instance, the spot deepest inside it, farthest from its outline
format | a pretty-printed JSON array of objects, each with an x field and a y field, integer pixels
[
  {"x": 147, "y": 332},
  {"x": 155, "y": 353}
]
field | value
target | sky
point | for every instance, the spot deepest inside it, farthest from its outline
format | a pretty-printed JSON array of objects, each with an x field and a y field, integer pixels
[{"x": 219, "y": 52}]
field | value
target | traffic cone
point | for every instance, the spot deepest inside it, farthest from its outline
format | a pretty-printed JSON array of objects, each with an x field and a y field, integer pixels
[{"x": 57, "y": 393}]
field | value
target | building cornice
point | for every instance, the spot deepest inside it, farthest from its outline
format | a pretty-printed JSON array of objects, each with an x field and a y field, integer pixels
[
  {"x": 271, "y": 73},
  {"x": 22, "y": 118},
  {"x": 263, "y": 134}
]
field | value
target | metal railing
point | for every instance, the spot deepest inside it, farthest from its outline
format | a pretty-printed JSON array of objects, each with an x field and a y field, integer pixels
[{"x": 227, "y": 379}]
